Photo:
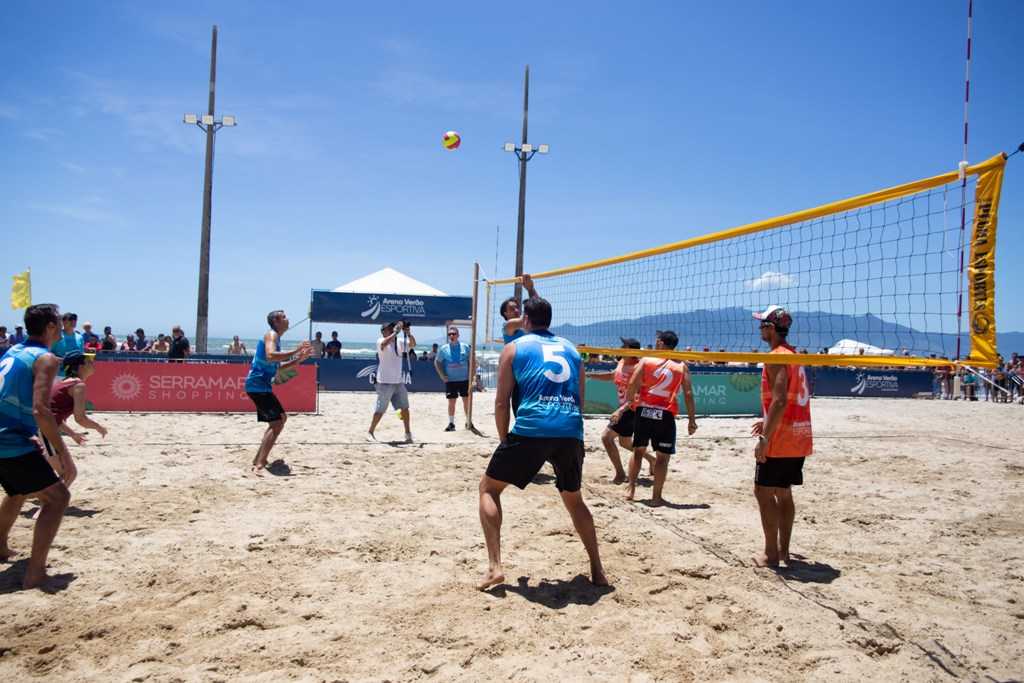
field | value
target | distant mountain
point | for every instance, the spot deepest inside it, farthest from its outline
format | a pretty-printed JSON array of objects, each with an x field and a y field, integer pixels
[{"x": 734, "y": 329}]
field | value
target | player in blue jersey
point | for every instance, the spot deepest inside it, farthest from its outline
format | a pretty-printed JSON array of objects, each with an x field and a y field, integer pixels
[
  {"x": 548, "y": 428},
  {"x": 452, "y": 365},
  {"x": 512, "y": 312},
  {"x": 27, "y": 372},
  {"x": 268, "y": 360}
]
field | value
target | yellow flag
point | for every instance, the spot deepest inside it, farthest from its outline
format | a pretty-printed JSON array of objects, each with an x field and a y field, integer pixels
[{"x": 21, "y": 290}]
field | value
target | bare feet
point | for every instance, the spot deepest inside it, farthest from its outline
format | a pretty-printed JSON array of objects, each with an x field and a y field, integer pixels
[
  {"x": 494, "y": 577},
  {"x": 258, "y": 469},
  {"x": 763, "y": 560},
  {"x": 34, "y": 578},
  {"x": 630, "y": 491},
  {"x": 598, "y": 578},
  {"x": 370, "y": 437},
  {"x": 619, "y": 478},
  {"x": 6, "y": 553},
  {"x": 657, "y": 502}
]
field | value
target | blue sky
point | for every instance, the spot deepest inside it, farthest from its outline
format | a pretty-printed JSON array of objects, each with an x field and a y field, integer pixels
[{"x": 666, "y": 120}]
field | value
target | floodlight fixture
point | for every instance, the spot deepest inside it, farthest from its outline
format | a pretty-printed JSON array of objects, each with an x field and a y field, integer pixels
[
  {"x": 229, "y": 121},
  {"x": 543, "y": 149},
  {"x": 207, "y": 119},
  {"x": 191, "y": 118},
  {"x": 527, "y": 148},
  {"x": 509, "y": 147}
]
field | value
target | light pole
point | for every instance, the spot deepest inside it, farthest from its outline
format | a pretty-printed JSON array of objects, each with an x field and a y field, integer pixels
[
  {"x": 210, "y": 126},
  {"x": 524, "y": 152}
]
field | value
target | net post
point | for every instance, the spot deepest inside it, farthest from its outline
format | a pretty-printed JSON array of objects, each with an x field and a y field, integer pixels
[{"x": 472, "y": 347}]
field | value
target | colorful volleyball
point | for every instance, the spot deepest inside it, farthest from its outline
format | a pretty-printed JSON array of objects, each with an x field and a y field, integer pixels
[{"x": 451, "y": 140}]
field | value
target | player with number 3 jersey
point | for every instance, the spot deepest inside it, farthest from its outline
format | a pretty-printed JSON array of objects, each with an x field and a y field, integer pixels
[
  {"x": 656, "y": 384},
  {"x": 784, "y": 439}
]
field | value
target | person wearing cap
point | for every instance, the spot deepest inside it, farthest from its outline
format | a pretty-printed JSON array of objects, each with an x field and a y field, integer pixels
[
  {"x": 19, "y": 335},
  {"x": 90, "y": 340},
  {"x": 391, "y": 376},
  {"x": 452, "y": 365},
  {"x": 622, "y": 430},
  {"x": 179, "y": 347},
  {"x": 142, "y": 345},
  {"x": 784, "y": 438},
  {"x": 69, "y": 338},
  {"x": 109, "y": 342},
  {"x": 654, "y": 390},
  {"x": 68, "y": 396}
]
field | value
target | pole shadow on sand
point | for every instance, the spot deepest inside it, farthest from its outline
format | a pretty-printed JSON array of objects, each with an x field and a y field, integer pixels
[{"x": 557, "y": 594}]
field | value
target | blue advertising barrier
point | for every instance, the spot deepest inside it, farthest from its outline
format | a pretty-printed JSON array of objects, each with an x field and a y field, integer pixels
[
  {"x": 350, "y": 307},
  {"x": 353, "y": 374},
  {"x": 862, "y": 382}
]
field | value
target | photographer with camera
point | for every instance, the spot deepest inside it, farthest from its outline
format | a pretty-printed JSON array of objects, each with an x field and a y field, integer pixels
[{"x": 395, "y": 341}]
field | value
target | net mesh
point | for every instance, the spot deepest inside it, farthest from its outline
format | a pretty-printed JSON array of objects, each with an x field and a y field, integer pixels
[{"x": 887, "y": 275}]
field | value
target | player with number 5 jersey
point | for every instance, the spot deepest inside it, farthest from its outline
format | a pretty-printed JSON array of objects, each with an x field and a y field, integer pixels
[
  {"x": 548, "y": 428},
  {"x": 656, "y": 384}
]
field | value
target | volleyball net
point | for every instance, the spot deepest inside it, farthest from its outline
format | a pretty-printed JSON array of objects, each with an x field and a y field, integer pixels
[{"x": 904, "y": 276}]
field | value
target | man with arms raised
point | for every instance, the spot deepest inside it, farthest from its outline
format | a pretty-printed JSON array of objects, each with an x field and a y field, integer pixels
[
  {"x": 548, "y": 428},
  {"x": 391, "y": 375},
  {"x": 27, "y": 372},
  {"x": 512, "y": 312},
  {"x": 654, "y": 387},
  {"x": 266, "y": 362},
  {"x": 783, "y": 439}
]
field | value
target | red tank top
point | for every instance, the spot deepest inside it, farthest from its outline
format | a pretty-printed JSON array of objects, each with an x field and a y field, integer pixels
[
  {"x": 793, "y": 437},
  {"x": 660, "y": 387},
  {"x": 62, "y": 403},
  {"x": 622, "y": 377}
]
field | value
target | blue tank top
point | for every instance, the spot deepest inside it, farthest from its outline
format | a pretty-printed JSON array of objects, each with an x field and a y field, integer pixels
[
  {"x": 547, "y": 372},
  {"x": 17, "y": 423},
  {"x": 455, "y": 361},
  {"x": 262, "y": 373},
  {"x": 512, "y": 337}
]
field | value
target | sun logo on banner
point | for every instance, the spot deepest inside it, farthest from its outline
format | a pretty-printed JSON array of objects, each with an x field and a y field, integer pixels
[
  {"x": 126, "y": 387},
  {"x": 374, "y": 310}
]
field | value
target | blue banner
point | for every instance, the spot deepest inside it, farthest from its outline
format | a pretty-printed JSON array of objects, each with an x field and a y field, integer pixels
[
  {"x": 379, "y": 308},
  {"x": 854, "y": 382},
  {"x": 353, "y": 374}
]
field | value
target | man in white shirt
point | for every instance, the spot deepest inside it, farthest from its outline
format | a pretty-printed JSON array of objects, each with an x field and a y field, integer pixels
[{"x": 396, "y": 339}]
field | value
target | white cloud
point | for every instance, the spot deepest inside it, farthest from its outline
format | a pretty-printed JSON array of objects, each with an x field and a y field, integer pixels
[
  {"x": 73, "y": 167},
  {"x": 43, "y": 134},
  {"x": 771, "y": 280}
]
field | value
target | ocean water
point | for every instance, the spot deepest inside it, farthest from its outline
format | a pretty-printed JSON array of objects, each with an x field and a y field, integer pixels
[{"x": 348, "y": 349}]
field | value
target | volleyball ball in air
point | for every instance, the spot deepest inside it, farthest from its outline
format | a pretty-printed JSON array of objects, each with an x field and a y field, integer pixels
[{"x": 451, "y": 140}]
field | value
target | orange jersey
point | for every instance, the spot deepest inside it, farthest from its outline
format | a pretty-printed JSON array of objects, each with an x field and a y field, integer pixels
[
  {"x": 661, "y": 383},
  {"x": 793, "y": 437},
  {"x": 622, "y": 375}
]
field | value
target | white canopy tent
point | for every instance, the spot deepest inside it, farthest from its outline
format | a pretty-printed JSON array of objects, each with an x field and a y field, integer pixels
[
  {"x": 852, "y": 347},
  {"x": 391, "y": 281}
]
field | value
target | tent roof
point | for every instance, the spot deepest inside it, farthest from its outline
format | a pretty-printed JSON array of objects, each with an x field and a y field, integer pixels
[
  {"x": 389, "y": 281},
  {"x": 853, "y": 347}
]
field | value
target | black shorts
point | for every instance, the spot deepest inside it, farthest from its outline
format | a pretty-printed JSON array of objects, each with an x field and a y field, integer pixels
[
  {"x": 25, "y": 474},
  {"x": 268, "y": 408},
  {"x": 519, "y": 459},
  {"x": 780, "y": 472},
  {"x": 656, "y": 427},
  {"x": 625, "y": 425},
  {"x": 456, "y": 389}
]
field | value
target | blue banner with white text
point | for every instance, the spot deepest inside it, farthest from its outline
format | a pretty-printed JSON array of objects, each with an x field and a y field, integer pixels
[{"x": 379, "y": 308}]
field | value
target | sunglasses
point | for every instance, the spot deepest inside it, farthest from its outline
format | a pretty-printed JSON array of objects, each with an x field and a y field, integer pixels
[
  {"x": 453, "y": 334},
  {"x": 764, "y": 325}
]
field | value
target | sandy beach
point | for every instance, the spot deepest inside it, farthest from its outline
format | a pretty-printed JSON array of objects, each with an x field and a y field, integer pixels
[{"x": 173, "y": 564}]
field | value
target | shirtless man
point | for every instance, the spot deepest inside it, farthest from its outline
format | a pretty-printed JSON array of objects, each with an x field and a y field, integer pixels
[
  {"x": 655, "y": 387},
  {"x": 27, "y": 372},
  {"x": 784, "y": 439}
]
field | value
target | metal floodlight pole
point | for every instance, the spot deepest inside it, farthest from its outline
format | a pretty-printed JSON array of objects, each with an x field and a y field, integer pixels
[
  {"x": 521, "y": 225},
  {"x": 524, "y": 152},
  {"x": 209, "y": 125}
]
